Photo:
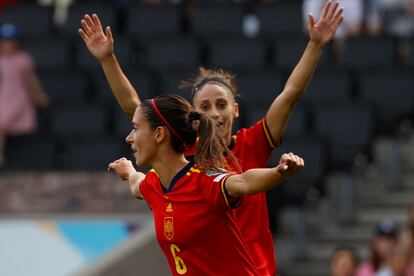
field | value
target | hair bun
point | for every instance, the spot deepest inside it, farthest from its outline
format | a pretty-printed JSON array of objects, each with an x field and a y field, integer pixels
[{"x": 194, "y": 116}]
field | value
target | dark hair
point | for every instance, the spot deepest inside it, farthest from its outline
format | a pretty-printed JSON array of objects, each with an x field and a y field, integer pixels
[
  {"x": 205, "y": 76},
  {"x": 185, "y": 125}
]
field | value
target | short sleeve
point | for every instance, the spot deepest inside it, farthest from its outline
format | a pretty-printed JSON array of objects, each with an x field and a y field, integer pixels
[
  {"x": 255, "y": 139},
  {"x": 216, "y": 192}
]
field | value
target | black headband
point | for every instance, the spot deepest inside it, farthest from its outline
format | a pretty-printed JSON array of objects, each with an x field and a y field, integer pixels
[{"x": 216, "y": 80}]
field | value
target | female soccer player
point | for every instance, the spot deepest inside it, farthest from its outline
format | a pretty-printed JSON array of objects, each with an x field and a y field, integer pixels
[
  {"x": 214, "y": 94},
  {"x": 190, "y": 199}
]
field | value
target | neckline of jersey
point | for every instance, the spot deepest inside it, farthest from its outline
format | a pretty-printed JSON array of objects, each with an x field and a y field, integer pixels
[{"x": 177, "y": 177}]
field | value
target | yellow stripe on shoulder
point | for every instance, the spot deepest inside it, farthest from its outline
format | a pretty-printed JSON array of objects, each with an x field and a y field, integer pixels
[
  {"x": 267, "y": 133},
  {"x": 192, "y": 170},
  {"x": 223, "y": 181},
  {"x": 154, "y": 171}
]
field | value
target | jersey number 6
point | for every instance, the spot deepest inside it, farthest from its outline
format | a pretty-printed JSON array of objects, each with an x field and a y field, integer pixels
[{"x": 179, "y": 263}]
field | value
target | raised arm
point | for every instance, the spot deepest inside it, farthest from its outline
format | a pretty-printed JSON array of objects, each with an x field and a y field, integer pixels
[
  {"x": 254, "y": 181},
  {"x": 321, "y": 34},
  {"x": 126, "y": 171},
  {"x": 101, "y": 46}
]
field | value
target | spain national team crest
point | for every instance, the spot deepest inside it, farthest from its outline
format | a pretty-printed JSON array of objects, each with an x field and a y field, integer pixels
[{"x": 169, "y": 227}]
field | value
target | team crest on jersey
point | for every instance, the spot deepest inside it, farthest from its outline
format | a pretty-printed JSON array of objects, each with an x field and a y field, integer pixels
[{"x": 169, "y": 227}]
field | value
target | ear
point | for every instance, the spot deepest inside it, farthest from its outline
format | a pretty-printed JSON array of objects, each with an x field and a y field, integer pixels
[
  {"x": 160, "y": 134},
  {"x": 236, "y": 110}
]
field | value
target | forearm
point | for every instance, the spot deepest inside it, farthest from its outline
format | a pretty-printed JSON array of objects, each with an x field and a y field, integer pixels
[
  {"x": 303, "y": 72},
  {"x": 281, "y": 108},
  {"x": 122, "y": 89},
  {"x": 254, "y": 181},
  {"x": 134, "y": 181},
  {"x": 261, "y": 180}
]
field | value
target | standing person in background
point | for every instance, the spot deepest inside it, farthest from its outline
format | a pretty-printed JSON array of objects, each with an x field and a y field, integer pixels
[
  {"x": 190, "y": 199},
  {"x": 406, "y": 242},
  {"x": 20, "y": 88},
  {"x": 383, "y": 247},
  {"x": 351, "y": 27},
  {"x": 213, "y": 93}
]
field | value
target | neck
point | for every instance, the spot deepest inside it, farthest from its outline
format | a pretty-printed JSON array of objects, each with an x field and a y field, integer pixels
[{"x": 168, "y": 166}]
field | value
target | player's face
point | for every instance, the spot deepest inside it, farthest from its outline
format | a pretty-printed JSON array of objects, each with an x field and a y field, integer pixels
[
  {"x": 219, "y": 104},
  {"x": 142, "y": 139}
]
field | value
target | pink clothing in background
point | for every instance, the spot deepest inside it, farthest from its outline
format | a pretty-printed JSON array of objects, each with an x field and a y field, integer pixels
[
  {"x": 365, "y": 269},
  {"x": 17, "y": 111}
]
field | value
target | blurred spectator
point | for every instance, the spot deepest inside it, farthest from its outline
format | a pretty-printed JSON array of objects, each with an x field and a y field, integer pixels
[
  {"x": 353, "y": 15},
  {"x": 406, "y": 242},
  {"x": 344, "y": 262},
  {"x": 395, "y": 17},
  {"x": 20, "y": 88},
  {"x": 383, "y": 247},
  {"x": 351, "y": 26}
]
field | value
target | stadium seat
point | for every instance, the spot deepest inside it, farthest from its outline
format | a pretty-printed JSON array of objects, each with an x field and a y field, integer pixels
[
  {"x": 141, "y": 80},
  {"x": 64, "y": 87},
  {"x": 328, "y": 87},
  {"x": 34, "y": 20},
  {"x": 369, "y": 52},
  {"x": 107, "y": 15},
  {"x": 171, "y": 80},
  {"x": 212, "y": 20},
  {"x": 172, "y": 52},
  {"x": 259, "y": 86},
  {"x": 298, "y": 123},
  {"x": 273, "y": 19},
  {"x": 254, "y": 113},
  {"x": 48, "y": 52},
  {"x": 237, "y": 53},
  {"x": 391, "y": 93},
  {"x": 90, "y": 154},
  {"x": 143, "y": 21},
  {"x": 287, "y": 52},
  {"x": 122, "y": 125},
  {"x": 86, "y": 121},
  {"x": 314, "y": 153},
  {"x": 31, "y": 153},
  {"x": 409, "y": 59},
  {"x": 348, "y": 128},
  {"x": 123, "y": 50}
]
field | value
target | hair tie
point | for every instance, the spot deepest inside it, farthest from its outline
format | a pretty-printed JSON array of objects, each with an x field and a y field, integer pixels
[{"x": 194, "y": 116}]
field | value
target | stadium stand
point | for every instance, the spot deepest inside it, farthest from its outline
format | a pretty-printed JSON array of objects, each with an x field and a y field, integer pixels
[{"x": 340, "y": 116}]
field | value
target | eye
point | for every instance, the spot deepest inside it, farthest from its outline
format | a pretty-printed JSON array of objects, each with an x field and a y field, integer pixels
[
  {"x": 222, "y": 105},
  {"x": 204, "y": 107}
]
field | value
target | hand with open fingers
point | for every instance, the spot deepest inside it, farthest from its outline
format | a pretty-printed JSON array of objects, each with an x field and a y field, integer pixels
[
  {"x": 290, "y": 164},
  {"x": 323, "y": 31},
  {"x": 122, "y": 167},
  {"x": 100, "y": 44}
]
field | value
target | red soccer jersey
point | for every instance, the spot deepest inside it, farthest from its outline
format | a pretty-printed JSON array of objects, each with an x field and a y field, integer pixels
[
  {"x": 193, "y": 225},
  {"x": 252, "y": 147}
]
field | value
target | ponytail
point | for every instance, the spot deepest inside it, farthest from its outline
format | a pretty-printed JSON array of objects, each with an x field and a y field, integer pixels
[{"x": 211, "y": 147}]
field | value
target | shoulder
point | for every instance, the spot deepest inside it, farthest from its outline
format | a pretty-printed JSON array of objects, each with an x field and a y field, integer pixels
[{"x": 257, "y": 133}]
